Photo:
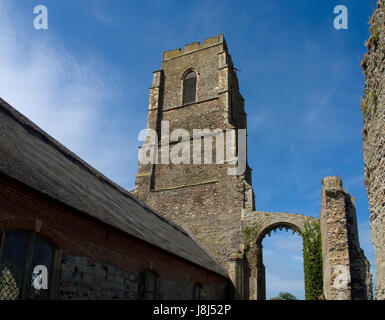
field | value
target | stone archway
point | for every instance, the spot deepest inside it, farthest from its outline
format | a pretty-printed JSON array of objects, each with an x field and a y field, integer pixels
[
  {"x": 260, "y": 279},
  {"x": 256, "y": 226}
]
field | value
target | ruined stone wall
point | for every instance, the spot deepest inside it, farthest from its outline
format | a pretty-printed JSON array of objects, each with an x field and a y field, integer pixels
[
  {"x": 346, "y": 271},
  {"x": 218, "y": 208},
  {"x": 256, "y": 225},
  {"x": 373, "y": 109},
  {"x": 345, "y": 268}
]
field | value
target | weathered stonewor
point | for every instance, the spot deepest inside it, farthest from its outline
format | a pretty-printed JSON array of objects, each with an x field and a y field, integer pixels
[
  {"x": 346, "y": 272},
  {"x": 373, "y": 109},
  {"x": 201, "y": 197},
  {"x": 257, "y": 225},
  {"x": 216, "y": 207}
]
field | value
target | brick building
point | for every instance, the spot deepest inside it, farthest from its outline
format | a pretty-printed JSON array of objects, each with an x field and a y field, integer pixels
[{"x": 95, "y": 239}]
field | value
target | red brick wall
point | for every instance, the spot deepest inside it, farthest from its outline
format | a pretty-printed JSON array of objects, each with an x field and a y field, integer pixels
[{"x": 78, "y": 234}]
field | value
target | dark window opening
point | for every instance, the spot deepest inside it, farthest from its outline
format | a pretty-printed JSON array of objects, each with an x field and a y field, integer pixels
[{"x": 189, "y": 87}]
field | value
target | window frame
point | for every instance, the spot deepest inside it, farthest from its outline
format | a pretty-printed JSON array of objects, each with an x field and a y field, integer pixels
[
  {"x": 53, "y": 276},
  {"x": 185, "y": 74}
]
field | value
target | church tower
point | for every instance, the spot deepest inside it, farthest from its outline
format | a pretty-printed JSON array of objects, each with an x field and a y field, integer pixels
[{"x": 197, "y": 88}]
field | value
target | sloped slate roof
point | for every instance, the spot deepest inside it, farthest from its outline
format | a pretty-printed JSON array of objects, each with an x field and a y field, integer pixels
[{"x": 31, "y": 156}]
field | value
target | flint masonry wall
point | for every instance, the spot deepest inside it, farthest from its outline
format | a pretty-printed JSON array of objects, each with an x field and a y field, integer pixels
[
  {"x": 373, "y": 110},
  {"x": 346, "y": 272},
  {"x": 98, "y": 261},
  {"x": 203, "y": 198},
  {"x": 83, "y": 278},
  {"x": 217, "y": 207}
]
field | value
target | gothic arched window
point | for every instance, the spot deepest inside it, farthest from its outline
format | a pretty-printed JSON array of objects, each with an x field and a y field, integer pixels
[
  {"x": 189, "y": 87},
  {"x": 20, "y": 253}
]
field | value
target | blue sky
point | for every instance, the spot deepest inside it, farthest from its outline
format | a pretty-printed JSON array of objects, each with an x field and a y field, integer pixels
[{"x": 86, "y": 82}]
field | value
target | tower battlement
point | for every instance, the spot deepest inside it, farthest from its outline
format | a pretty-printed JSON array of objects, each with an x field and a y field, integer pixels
[{"x": 192, "y": 47}]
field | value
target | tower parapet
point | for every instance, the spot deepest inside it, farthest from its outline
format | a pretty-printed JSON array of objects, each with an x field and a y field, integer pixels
[{"x": 195, "y": 46}]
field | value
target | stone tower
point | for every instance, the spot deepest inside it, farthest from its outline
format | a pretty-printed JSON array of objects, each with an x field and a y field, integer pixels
[
  {"x": 373, "y": 110},
  {"x": 197, "y": 88}
]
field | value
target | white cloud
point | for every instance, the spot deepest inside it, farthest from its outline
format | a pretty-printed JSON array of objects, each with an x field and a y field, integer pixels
[
  {"x": 283, "y": 260},
  {"x": 322, "y": 119},
  {"x": 282, "y": 240},
  {"x": 65, "y": 95}
]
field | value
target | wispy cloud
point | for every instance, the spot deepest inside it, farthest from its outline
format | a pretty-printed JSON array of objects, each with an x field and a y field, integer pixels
[
  {"x": 294, "y": 243},
  {"x": 65, "y": 95},
  {"x": 277, "y": 284},
  {"x": 282, "y": 255},
  {"x": 322, "y": 120}
]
